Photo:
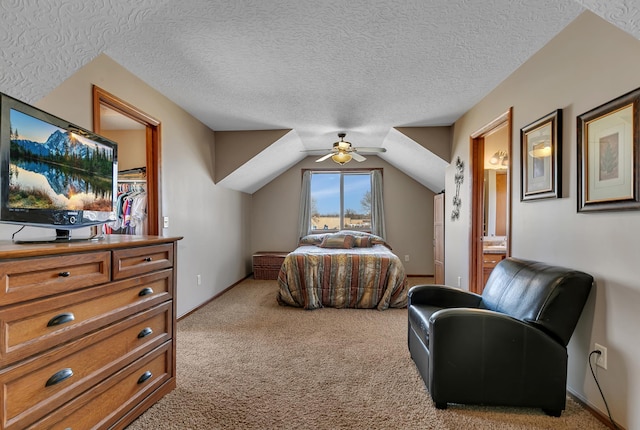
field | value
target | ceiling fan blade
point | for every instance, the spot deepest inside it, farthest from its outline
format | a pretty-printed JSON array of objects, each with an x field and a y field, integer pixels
[
  {"x": 324, "y": 157},
  {"x": 357, "y": 156},
  {"x": 369, "y": 149}
]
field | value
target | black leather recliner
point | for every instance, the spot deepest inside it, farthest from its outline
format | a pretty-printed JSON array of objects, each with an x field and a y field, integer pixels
[{"x": 505, "y": 347}]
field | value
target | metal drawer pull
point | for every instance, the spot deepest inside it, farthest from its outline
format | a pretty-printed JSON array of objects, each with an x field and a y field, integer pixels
[
  {"x": 145, "y": 332},
  {"x": 64, "y": 274},
  {"x": 146, "y": 375},
  {"x": 145, "y": 291},
  {"x": 59, "y": 376},
  {"x": 148, "y": 259},
  {"x": 61, "y": 319}
]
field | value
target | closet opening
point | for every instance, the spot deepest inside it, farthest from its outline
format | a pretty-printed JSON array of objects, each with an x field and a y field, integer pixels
[{"x": 138, "y": 138}]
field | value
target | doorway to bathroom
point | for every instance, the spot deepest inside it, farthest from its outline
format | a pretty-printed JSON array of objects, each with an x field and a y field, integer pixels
[{"x": 491, "y": 202}]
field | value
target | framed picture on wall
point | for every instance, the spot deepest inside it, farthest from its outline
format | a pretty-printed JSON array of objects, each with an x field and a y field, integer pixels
[
  {"x": 541, "y": 161},
  {"x": 608, "y": 155}
]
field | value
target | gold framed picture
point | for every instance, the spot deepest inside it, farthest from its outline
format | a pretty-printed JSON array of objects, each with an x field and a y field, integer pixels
[
  {"x": 608, "y": 154},
  {"x": 541, "y": 161}
]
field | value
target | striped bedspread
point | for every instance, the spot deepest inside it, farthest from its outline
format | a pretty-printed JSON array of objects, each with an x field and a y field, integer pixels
[{"x": 313, "y": 277}]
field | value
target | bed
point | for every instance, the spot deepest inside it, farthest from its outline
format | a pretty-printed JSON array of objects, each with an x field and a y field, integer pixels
[{"x": 348, "y": 269}]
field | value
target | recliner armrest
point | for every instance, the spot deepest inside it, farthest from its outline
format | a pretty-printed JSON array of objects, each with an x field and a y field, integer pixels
[
  {"x": 443, "y": 296},
  {"x": 470, "y": 326}
]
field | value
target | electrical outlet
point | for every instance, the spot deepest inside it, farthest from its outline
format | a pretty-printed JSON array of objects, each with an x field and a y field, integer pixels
[
  {"x": 601, "y": 359},
  {"x": 165, "y": 222},
  {"x": 459, "y": 281},
  {"x": 406, "y": 257},
  {"x": 199, "y": 279}
]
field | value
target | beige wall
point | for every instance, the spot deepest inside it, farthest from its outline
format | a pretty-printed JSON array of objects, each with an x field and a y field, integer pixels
[
  {"x": 408, "y": 208},
  {"x": 436, "y": 139},
  {"x": 132, "y": 147},
  {"x": 589, "y": 63},
  {"x": 213, "y": 221},
  {"x": 234, "y": 148}
]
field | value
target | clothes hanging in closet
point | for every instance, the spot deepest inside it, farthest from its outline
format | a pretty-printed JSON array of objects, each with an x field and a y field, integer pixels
[{"x": 131, "y": 210}]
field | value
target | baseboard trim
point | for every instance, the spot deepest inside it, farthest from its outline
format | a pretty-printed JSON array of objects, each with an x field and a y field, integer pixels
[
  {"x": 213, "y": 298},
  {"x": 419, "y": 276},
  {"x": 604, "y": 419}
]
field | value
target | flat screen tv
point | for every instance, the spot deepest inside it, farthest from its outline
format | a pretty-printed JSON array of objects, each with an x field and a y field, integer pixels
[{"x": 53, "y": 173}]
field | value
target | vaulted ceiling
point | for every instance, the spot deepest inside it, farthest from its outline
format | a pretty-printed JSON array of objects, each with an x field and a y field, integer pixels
[{"x": 309, "y": 68}]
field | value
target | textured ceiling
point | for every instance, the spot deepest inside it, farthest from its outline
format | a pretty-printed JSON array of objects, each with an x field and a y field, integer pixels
[{"x": 316, "y": 67}]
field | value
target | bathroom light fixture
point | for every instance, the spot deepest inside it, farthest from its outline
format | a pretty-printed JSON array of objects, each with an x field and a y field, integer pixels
[{"x": 499, "y": 158}]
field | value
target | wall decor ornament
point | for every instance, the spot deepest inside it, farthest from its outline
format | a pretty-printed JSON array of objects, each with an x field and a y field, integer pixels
[
  {"x": 609, "y": 155},
  {"x": 458, "y": 179},
  {"x": 541, "y": 161}
]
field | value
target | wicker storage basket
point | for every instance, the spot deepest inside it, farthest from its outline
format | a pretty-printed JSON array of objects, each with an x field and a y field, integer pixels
[{"x": 266, "y": 264}]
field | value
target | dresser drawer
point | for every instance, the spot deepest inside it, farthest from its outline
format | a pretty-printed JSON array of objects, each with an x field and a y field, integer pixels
[
  {"x": 116, "y": 395},
  {"x": 491, "y": 260},
  {"x": 37, "y": 326},
  {"x": 137, "y": 261},
  {"x": 26, "y": 279},
  {"x": 36, "y": 387}
]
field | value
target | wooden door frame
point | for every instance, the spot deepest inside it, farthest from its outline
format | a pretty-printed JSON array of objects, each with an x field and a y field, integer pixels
[
  {"x": 477, "y": 196},
  {"x": 102, "y": 97},
  {"x": 438, "y": 238}
]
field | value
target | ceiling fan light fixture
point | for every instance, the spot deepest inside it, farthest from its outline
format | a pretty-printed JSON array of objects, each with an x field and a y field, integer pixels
[
  {"x": 341, "y": 145},
  {"x": 342, "y": 151},
  {"x": 341, "y": 157}
]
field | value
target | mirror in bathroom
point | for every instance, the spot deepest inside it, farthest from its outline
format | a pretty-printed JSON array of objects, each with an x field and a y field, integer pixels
[{"x": 496, "y": 191}]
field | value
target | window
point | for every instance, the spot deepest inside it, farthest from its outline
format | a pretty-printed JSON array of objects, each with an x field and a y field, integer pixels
[{"x": 340, "y": 200}]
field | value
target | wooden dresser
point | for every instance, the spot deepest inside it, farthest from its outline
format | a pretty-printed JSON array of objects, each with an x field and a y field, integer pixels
[{"x": 86, "y": 331}]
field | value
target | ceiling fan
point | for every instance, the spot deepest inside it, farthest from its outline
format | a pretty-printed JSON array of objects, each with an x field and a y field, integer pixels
[{"x": 342, "y": 152}]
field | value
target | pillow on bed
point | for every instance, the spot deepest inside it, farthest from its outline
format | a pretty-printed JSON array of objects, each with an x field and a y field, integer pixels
[
  {"x": 312, "y": 239},
  {"x": 362, "y": 236},
  {"x": 341, "y": 241},
  {"x": 379, "y": 241},
  {"x": 362, "y": 242}
]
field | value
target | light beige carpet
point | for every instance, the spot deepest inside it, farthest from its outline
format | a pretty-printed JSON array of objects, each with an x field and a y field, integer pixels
[{"x": 244, "y": 362}]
